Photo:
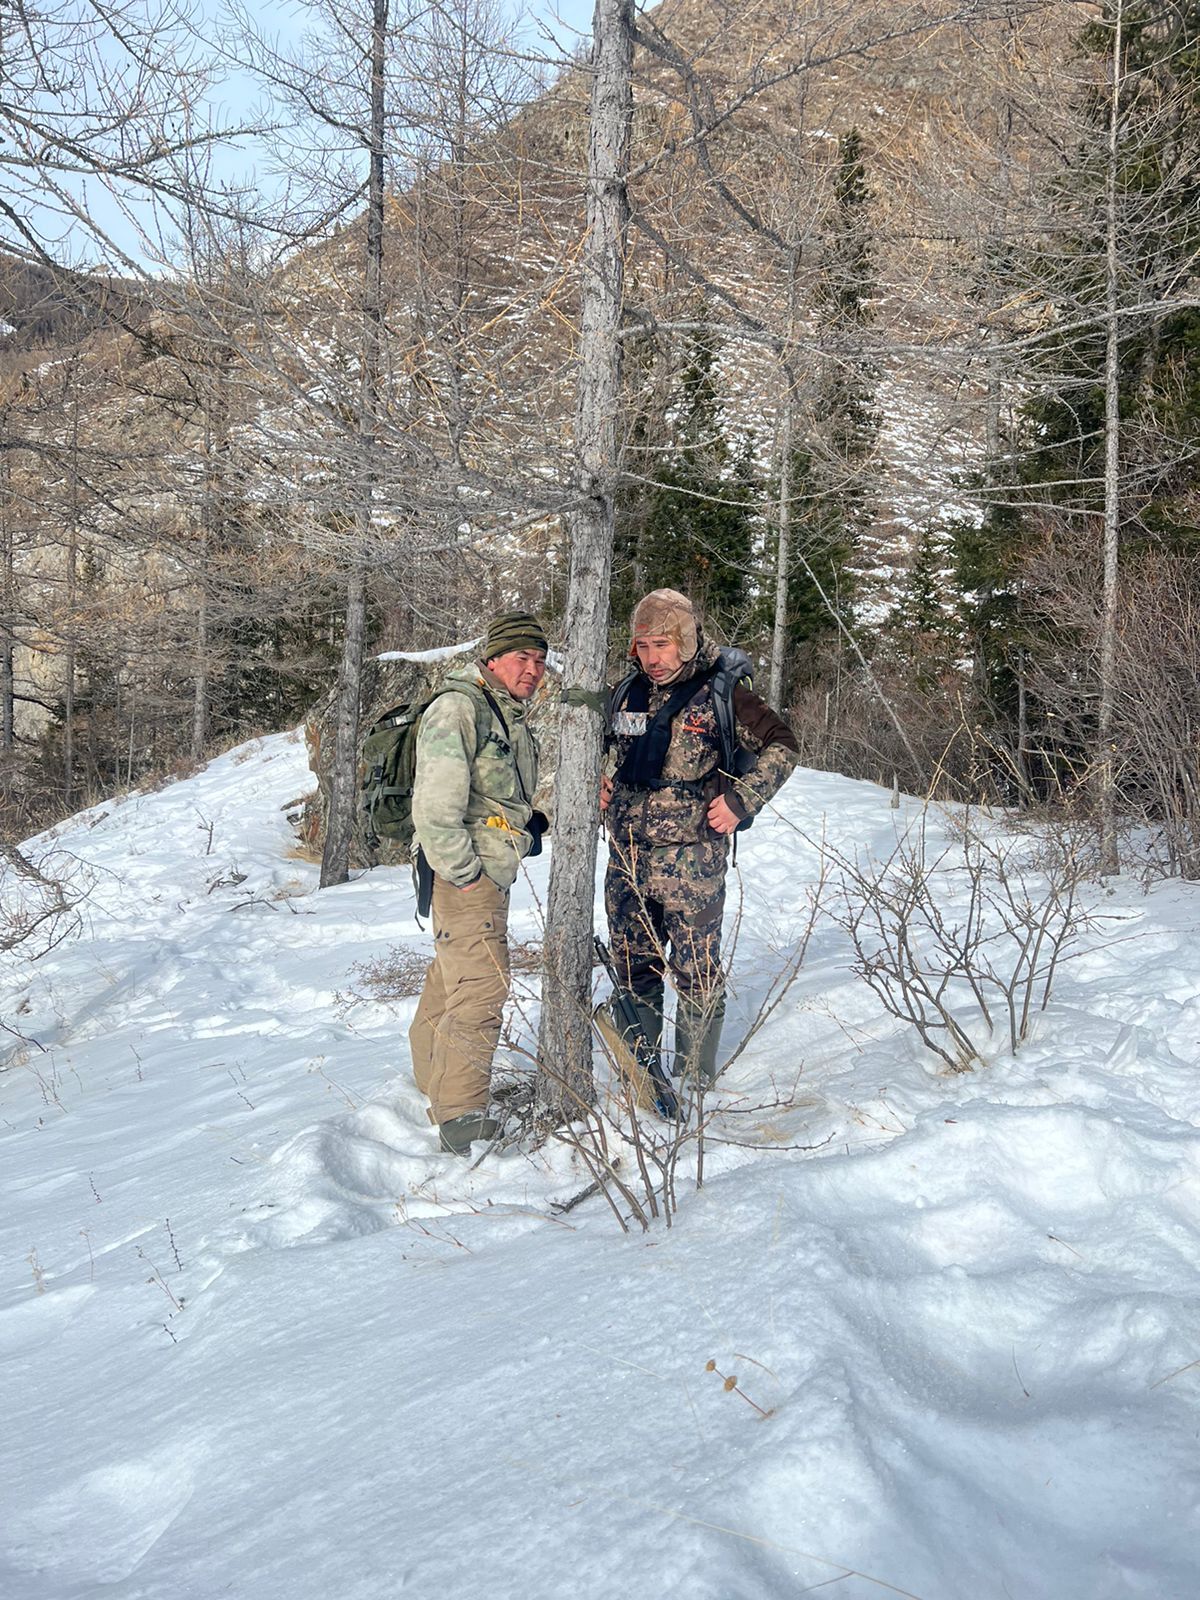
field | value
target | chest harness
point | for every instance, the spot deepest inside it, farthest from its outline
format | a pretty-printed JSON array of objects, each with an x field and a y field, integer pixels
[{"x": 642, "y": 764}]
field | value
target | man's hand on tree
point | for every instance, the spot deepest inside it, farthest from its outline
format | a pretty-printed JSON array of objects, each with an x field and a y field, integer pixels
[{"x": 606, "y": 789}]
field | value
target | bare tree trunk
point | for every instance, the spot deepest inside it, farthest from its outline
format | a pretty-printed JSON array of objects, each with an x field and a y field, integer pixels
[
  {"x": 200, "y": 675},
  {"x": 214, "y": 534},
  {"x": 7, "y": 594},
  {"x": 1109, "y": 857},
  {"x": 783, "y": 554},
  {"x": 72, "y": 576},
  {"x": 70, "y": 668},
  {"x": 339, "y": 827},
  {"x": 779, "y": 636},
  {"x": 8, "y": 606},
  {"x": 132, "y": 736},
  {"x": 1023, "y": 730},
  {"x": 564, "y": 1042}
]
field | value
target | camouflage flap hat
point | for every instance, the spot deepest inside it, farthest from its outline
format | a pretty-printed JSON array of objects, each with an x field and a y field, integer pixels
[
  {"x": 667, "y": 614},
  {"x": 512, "y": 630}
]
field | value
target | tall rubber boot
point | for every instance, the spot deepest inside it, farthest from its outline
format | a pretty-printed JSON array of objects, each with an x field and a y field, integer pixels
[
  {"x": 650, "y": 1016},
  {"x": 697, "y": 1040}
]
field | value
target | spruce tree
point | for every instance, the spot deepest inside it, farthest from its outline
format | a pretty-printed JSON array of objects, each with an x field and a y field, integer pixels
[
  {"x": 832, "y": 466},
  {"x": 692, "y": 525},
  {"x": 1045, "y": 492}
]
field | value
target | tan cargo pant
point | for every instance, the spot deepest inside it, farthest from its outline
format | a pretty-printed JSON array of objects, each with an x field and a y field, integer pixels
[{"x": 457, "y": 1022}]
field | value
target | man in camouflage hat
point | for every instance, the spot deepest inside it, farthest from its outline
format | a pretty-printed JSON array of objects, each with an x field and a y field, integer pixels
[
  {"x": 473, "y": 818},
  {"x": 677, "y": 787}
]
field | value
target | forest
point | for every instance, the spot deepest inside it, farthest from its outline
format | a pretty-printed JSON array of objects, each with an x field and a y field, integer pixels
[{"x": 875, "y": 332}]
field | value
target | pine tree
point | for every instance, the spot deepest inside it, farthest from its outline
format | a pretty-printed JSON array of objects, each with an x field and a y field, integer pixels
[
  {"x": 844, "y": 293},
  {"x": 1044, "y": 493},
  {"x": 692, "y": 527},
  {"x": 829, "y": 483},
  {"x": 925, "y": 629}
]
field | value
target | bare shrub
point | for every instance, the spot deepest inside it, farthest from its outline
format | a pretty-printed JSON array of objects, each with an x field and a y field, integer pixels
[
  {"x": 399, "y": 973},
  {"x": 635, "y": 1158},
  {"x": 841, "y": 726},
  {"x": 963, "y": 945},
  {"x": 39, "y": 899}
]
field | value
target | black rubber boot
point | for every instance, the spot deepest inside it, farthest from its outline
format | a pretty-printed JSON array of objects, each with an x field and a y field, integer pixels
[
  {"x": 623, "y": 1049},
  {"x": 457, "y": 1135},
  {"x": 697, "y": 1040},
  {"x": 650, "y": 1015}
]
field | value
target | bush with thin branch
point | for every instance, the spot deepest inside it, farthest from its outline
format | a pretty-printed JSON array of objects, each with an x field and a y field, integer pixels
[
  {"x": 635, "y": 1158},
  {"x": 963, "y": 944}
]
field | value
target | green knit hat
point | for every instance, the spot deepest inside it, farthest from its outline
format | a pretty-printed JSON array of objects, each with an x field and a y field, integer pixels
[{"x": 512, "y": 630}]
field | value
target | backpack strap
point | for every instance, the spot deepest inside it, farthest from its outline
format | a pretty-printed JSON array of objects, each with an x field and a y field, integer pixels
[
  {"x": 617, "y": 699},
  {"x": 643, "y": 763},
  {"x": 483, "y": 703},
  {"x": 503, "y": 721},
  {"x": 732, "y": 669}
]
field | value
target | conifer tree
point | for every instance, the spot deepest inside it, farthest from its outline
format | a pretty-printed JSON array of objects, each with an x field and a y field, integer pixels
[
  {"x": 831, "y": 467},
  {"x": 692, "y": 526},
  {"x": 1113, "y": 275},
  {"x": 925, "y": 629}
]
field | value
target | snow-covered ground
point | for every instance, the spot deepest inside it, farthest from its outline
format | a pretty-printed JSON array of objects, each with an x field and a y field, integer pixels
[{"x": 258, "y": 1339}]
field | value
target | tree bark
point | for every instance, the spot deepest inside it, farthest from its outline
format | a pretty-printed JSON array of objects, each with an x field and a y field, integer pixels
[
  {"x": 1109, "y": 857},
  {"x": 339, "y": 827},
  {"x": 564, "y": 1041},
  {"x": 200, "y": 672},
  {"x": 783, "y": 554},
  {"x": 779, "y": 635},
  {"x": 7, "y": 610}
]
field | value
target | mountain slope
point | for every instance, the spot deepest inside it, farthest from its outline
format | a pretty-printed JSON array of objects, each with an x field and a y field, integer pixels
[{"x": 258, "y": 1338}]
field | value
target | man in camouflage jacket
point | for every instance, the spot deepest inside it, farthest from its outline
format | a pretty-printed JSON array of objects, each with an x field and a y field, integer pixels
[
  {"x": 476, "y": 772},
  {"x": 669, "y": 814}
]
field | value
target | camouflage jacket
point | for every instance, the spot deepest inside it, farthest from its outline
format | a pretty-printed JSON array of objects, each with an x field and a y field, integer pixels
[
  {"x": 676, "y": 814},
  {"x": 471, "y": 811}
]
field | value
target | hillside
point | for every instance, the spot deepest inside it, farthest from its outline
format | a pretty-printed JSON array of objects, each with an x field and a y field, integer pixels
[
  {"x": 258, "y": 1339},
  {"x": 42, "y": 311}
]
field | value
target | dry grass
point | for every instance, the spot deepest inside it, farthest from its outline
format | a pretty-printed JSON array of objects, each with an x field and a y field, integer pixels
[{"x": 399, "y": 973}]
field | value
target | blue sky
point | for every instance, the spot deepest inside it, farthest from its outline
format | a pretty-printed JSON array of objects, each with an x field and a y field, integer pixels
[{"x": 234, "y": 99}]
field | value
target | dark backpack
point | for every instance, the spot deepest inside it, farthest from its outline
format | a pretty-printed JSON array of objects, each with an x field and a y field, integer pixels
[
  {"x": 732, "y": 667},
  {"x": 389, "y": 763}
]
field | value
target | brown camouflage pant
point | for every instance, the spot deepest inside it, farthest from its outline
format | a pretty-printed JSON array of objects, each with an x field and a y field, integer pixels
[
  {"x": 664, "y": 909},
  {"x": 457, "y": 1023}
]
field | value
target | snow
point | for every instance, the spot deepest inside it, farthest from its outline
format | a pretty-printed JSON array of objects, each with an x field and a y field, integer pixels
[
  {"x": 554, "y": 658},
  {"x": 443, "y": 653},
  {"x": 258, "y": 1338}
]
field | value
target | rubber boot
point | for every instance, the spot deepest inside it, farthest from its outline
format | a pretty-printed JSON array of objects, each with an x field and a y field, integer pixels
[
  {"x": 457, "y": 1135},
  {"x": 650, "y": 1016},
  {"x": 697, "y": 1040},
  {"x": 649, "y": 1008},
  {"x": 624, "y": 1049}
]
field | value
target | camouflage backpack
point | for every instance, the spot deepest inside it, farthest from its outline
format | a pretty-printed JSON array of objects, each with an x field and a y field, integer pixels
[{"x": 389, "y": 763}]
